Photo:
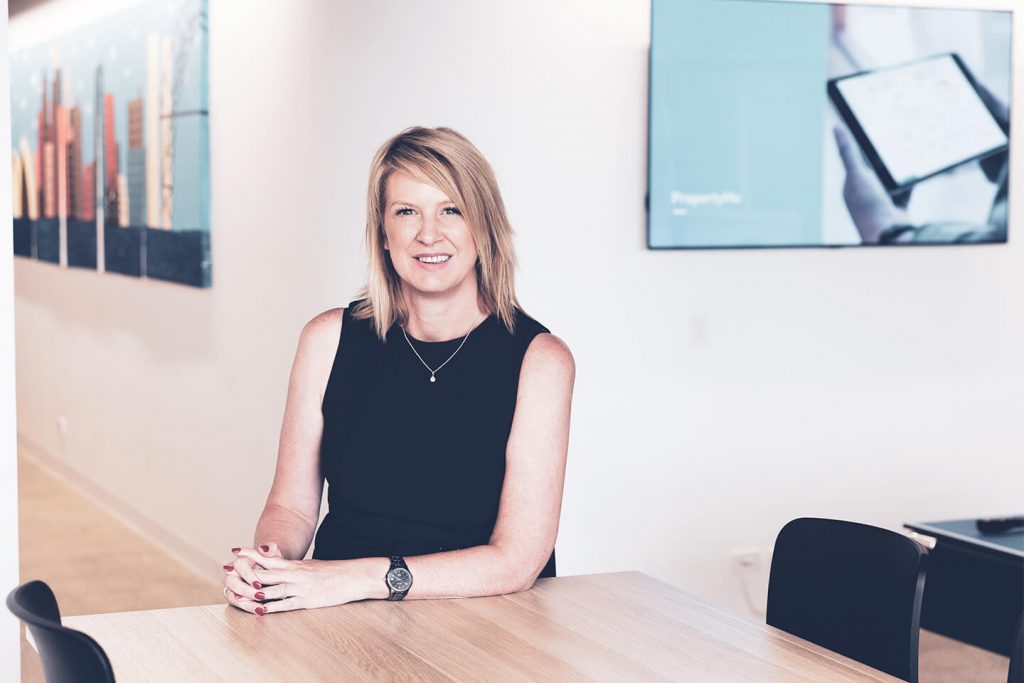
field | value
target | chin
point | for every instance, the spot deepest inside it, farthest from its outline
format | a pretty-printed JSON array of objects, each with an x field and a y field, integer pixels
[
  {"x": 428, "y": 285},
  {"x": 432, "y": 286}
]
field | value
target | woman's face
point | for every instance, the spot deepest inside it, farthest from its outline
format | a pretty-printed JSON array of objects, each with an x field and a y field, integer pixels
[{"x": 431, "y": 245}]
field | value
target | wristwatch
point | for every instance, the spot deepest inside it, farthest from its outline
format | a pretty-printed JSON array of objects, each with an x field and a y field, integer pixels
[{"x": 398, "y": 578}]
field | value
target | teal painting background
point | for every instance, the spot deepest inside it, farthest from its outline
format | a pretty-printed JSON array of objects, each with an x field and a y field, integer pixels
[{"x": 115, "y": 46}]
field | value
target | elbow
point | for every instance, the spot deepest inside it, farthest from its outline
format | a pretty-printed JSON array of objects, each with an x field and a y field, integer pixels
[
  {"x": 518, "y": 585},
  {"x": 521, "y": 582},
  {"x": 525, "y": 573},
  {"x": 528, "y": 583}
]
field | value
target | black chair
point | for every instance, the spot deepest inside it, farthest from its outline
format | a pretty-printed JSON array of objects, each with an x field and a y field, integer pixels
[
  {"x": 67, "y": 655},
  {"x": 1016, "y": 674},
  {"x": 852, "y": 588}
]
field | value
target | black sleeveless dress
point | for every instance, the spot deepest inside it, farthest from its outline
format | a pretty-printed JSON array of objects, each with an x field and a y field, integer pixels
[{"x": 413, "y": 466}]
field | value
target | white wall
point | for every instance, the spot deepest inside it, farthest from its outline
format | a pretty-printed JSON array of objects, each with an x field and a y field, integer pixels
[
  {"x": 719, "y": 393},
  {"x": 10, "y": 649}
]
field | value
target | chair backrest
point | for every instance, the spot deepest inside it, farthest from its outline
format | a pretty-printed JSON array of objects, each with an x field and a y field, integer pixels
[
  {"x": 852, "y": 588},
  {"x": 67, "y": 655},
  {"x": 1017, "y": 655}
]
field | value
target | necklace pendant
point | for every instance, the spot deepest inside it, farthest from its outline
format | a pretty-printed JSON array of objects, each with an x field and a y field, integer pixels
[{"x": 433, "y": 379}]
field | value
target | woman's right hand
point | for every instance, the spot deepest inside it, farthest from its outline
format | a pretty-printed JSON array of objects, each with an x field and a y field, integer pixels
[{"x": 241, "y": 588}]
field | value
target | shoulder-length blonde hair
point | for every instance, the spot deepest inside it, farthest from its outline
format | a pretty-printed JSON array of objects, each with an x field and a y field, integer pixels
[{"x": 447, "y": 160}]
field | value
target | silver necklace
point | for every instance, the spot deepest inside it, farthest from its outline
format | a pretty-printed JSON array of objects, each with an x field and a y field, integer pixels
[{"x": 433, "y": 371}]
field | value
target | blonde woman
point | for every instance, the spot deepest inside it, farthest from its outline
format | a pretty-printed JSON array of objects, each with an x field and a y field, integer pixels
[{"x": 437, "y": 410}]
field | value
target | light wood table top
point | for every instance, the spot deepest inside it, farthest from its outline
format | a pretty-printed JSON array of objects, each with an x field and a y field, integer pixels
[{"x": 623, "y": 626}]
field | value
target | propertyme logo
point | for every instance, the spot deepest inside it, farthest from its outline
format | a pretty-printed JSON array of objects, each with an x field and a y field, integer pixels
[{"x": 682, "y": 202}]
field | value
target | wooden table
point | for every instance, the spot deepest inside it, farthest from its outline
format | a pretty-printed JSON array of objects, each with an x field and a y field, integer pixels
[{"x": 624, "y": 626}]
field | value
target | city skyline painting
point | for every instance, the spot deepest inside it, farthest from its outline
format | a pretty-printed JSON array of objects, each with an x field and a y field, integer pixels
[{"x": 110, "y": 144}]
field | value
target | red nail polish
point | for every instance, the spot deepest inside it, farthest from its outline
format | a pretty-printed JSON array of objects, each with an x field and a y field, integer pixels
[
  {"x": 228, "y": 568},
  {"x": 236, "y": 550},
  {"x": 260, "y": 595},
  {"x": 261, "y": 611},
  {"x": 257, "y": 584},
  {"x": 264, "y": 548},
  {"x": 237, "y": 596}
]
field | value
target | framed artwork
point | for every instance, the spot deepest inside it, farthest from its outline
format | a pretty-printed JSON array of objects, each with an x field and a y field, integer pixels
[{"x": 110, "y": 144}]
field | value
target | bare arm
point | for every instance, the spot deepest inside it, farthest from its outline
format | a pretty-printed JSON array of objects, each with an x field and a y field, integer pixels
[
  {"x": 531, "y": 495},
  {"x": 293, "y": 506}
]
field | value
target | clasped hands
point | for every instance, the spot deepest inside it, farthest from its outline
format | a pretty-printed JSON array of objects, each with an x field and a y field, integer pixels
[{"x": 260, "y": 581}]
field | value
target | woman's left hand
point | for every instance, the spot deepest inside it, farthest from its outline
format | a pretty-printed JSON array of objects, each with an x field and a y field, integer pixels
[{"x": 300, "y": 584}]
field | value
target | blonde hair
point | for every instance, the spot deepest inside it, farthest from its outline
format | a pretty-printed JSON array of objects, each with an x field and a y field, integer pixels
[{"x": 447, "y": 160}]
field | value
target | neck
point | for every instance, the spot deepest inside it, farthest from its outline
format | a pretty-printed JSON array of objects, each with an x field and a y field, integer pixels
[{"x": 443, "y": 318}]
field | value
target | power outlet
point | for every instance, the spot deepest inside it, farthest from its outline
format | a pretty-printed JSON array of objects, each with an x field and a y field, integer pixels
[
  {"x": 745, "y": 559},
  {"x": 749, "y": 565}
]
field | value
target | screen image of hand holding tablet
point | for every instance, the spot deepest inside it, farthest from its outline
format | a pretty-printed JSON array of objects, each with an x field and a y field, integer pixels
[
  {"x": 916, "y": 120},
  {"x": 785, "y": 124}
]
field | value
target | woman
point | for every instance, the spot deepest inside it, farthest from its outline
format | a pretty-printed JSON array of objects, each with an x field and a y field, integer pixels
[{"x": 435, "y": 408}]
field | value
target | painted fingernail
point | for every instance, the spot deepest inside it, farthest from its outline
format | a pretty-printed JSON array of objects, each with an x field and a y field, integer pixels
[
  {"x": 264, "y": 548},
  {"x": 260, "y": 595},
  {"x": 228, "y": 568},
  {"x": 236, "y": 550},
  {"x": 261, "y": 611},
  {"x": 257, "y": 585},
  {"x": 237, "y": 596}
]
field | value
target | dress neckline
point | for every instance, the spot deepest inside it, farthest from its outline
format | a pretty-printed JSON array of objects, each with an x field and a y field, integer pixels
[{"x": 417, "y": 340}]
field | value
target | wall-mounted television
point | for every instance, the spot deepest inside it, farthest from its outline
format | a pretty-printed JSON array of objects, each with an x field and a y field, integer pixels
[{"x": 792, "y": 124}]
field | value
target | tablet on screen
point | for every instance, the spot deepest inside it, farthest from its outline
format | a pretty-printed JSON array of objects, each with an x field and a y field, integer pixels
[{"x": 918, "y": 119}]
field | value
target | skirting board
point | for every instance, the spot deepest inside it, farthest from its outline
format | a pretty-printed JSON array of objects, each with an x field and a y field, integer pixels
[{"x": 195, "y": 560}]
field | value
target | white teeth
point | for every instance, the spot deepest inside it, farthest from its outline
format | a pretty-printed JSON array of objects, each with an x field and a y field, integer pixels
[{"x": 433, "y": 259}]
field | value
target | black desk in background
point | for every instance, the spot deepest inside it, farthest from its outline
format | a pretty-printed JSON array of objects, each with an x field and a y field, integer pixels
[{"x": 974, "y": 587}]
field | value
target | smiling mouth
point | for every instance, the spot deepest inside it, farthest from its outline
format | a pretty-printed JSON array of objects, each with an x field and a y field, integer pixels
[{"x": 440, "y": 258}]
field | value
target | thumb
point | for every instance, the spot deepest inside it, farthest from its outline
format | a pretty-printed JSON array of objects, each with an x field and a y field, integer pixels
[
  {"x": 270, "y": 550},
  {"x": 995, "y": 105},
  {"x": 263, "y": 559},
  {"x": 851, "y": 161}
]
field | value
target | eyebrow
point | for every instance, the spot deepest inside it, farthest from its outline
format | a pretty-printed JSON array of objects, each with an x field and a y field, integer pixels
[{"x": 399, "y": 202}]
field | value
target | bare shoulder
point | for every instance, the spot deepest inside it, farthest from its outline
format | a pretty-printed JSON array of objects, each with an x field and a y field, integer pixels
[
  {"x": 318, "y": 345},
  {"x": 549, "y": 355},
  {"x": 322, "y": 331}
]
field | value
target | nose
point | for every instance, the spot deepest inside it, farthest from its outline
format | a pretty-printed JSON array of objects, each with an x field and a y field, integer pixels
[{"x": 430, "y": 231}]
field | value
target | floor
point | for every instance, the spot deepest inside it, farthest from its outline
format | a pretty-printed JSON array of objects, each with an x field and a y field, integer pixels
[
  {"x": 95, "y": 563},
  {"x": 91, "y": 560}
]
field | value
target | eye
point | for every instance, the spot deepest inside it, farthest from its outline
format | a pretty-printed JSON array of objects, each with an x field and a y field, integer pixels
[
  {"x": 451, "y": 211},
  {"x": 404, "y": 211}
]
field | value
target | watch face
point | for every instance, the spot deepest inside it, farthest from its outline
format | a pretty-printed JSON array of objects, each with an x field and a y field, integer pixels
[{"x": 399, "y": 579}]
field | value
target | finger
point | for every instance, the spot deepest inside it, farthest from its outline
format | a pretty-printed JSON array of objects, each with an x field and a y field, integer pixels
[
  {"x": 850, "y": 160},
  {"x": 278, "y": 591},
  {"x": 269, "y": 562},
  {"x": 228, "y": 594},
  {"x": 243, "y": 568},
  {"x": 270, "y": 550},
  {"x": 240, "y": 602},
  {"x": 995, "y": 105},
  {"x": 285, "y": 605},
  {"x": 266, "y": 577},
  {"x": 239, "y": 587}
]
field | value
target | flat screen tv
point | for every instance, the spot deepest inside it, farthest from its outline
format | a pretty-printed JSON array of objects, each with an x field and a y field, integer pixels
[{"x": 792, "y": 124}]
